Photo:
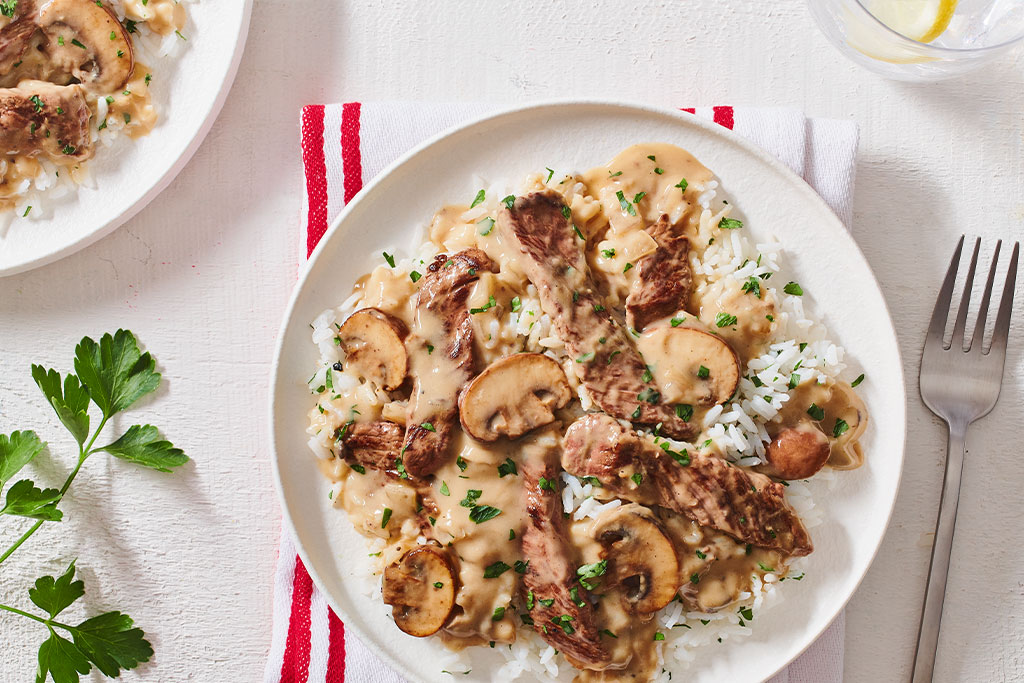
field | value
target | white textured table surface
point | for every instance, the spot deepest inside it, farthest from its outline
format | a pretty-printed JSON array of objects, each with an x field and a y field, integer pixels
[{"x": 202, "y": 276}]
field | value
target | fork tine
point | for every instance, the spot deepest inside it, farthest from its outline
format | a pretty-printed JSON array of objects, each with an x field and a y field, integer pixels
[
  {"x": 965, "y": 302},
  {"x": 941, "y": 310},
  {"x": 979, "y": 327},
  {"x": 1002, "y": 330}
]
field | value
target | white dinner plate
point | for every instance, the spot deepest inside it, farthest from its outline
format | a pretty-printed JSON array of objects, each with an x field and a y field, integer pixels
[
  {"x": 189, "y": 91},
  {"x": 819, "y": 253}
]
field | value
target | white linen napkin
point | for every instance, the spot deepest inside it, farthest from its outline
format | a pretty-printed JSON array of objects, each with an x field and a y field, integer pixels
[{"x": 345, "y": 145}]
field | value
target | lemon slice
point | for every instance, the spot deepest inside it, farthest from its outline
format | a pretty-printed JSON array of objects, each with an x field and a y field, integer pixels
[{"x": 920, "y": 20}]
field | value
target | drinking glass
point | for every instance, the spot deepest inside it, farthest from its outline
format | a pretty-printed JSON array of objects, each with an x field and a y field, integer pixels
[{"x": 979, "y": 31}]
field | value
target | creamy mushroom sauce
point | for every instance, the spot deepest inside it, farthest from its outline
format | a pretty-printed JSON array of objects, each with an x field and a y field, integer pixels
[
  {"x": 129, "y": 105},
  {"x": 714, "y": 568}
]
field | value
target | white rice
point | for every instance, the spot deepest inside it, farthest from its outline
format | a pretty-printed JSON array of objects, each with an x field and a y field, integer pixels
[{"x": 736, "y": 431}]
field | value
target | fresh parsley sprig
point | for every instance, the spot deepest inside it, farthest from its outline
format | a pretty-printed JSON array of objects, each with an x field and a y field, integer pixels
[{"x": 111, "y": 375}]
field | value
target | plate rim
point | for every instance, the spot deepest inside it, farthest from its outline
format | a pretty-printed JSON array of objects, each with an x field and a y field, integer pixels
[
  {"x": 306, "y": 268},
  {"x": 161, "y": 183}
]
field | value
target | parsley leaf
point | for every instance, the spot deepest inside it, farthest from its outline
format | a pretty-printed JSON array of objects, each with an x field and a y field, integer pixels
[
  {"x": 70, "y": 402},
  {"x": 480, "y": 196},
  {"x": 816, "y": 412},
  {"x": 482, "y": 513},
  {"x": 841, "y": 428},
  {"x": 625, "y": 204},
  {"x": 142, "y": 445},
  {"x": 53, "y": 596},
  {"x": 509, "y": 201},
  {"x": 25, "y": 500},
  {"x": 507, "y": 467},
  {"x": 793, "y": 288},
  {"x": 724, "y": 319},
  {"x": 16, "y": 451},
  {"x": 857, "y": 381},
  {"x": 59, "y": 658},
  {"x": 752, "y": 286},
  {"x": 730, "y": 224},
  {"x": 114, "y": 371},
  {"x": 111, "y": 642},
  {"x": 682, "y": 185},
  {"x": 493, "y": 571}
]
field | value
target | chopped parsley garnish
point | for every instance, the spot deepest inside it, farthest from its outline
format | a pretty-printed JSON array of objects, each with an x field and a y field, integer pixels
[
  {"x": 509, "y": 201},
  {"x": 511, "y": 534},
  {"x": 752, "y": 286},
  {"x": 438, "y": 585},
  {"x": 770, "y": 318},
  {"x": 591, "y": 571},
  {"x": 516, "y": 304},
  {"x": 480, "y": 196},
  {"x": 506, "y": 468},
  {"x": 749, "y": 549},
  {"x": 491, "y": 303},
  {"x": 612, "y": 355},
  {"x": 545, "y": 484},
  {"x": 614, "y": 175},
  {"x": 682, "y": 185},
  {"x": 385, "y": 518},
  {"x": 109, "y": 99},
  {"x": 472, "y": 495},
  {"x": 529, "y": 600},
  {"x": 627, "y": 267},
  {"x": 659, "y": 171},
  {"x": 149, "y": 77},
  {"x": 730, "y": 224},
  {"x": 428, "y": 426},
  {"x": 37, "y": 103},
  {"x": 461, "y": 462},
  {"x": 649, "y": 395},
  {"x": 521, "y": 566},
  {"x": 499, "y": 614},
  {"x": 444, "y": 489},
  {"x": 794, "y": 380},
  {"x": 793, "y": 288},
  {"x": 703, "y": 372},
  {"x": 816, "y": 412},
  {"x": 702, "y": 555},
  {"x": 414, "y": 276},
  {"x": 676, "y": 322},
  {"x": 430, "y": 349},
  {"x": 551, "y": 172},
  {"x": 566, "y": 212},
  {"x": 608, "y": 633},
  {"x": 585, "y": 357},
  {"x": 68, "y": 149},
  {"x": 129, "y": 26},
  {"x": 127, "y": 118},
  {"x": 358, "y": 468},
  {"x": 608, "y": 253},
  {"x": 637, "y": 478},
  {"x": 765, "y": 568},
  {"x": 651, "y": 157},
  {"x": 598, "y": 308},
  {"x": 390, "y": 258},
  {"x": 695, "y": 578},
  {"x": 747, "y": 613},
  {"x": 495, "y": 570},
  {"x": 177, "y": 33},
  {"x": 648, "y": 375},
  {"x": 482, "y": 513},
  {"x": 840, "y": 428},
  {"x": 77, "y": 43},
  {"x": 8, "y": 7},
  {"x": 636, "y": 413},
  {"x": 578, "y": 233},
  {"x": 546, "y": 602},
  {"x": 638, "y": 196},
  {"x": 857, "y": 381},
  {"x": 658, "y": 635},
  {"x": 724, "y": 319},
  {"x": 564, "y": 622},
  {"x": 684, "y": 411},
  {"x": 485, "y": 226},
  {"x": 624, "y": 203}
]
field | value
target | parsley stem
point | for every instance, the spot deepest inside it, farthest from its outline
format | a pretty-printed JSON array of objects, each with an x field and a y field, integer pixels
[
  {"x": 83, "y": 453},
  {"x": 50, "y": 623}
]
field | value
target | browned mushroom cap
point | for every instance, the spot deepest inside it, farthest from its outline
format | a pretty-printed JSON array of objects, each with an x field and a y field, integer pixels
[
  {"x": 420, "y": 587},
  {"x": 513, "y": 396},
  {"x": 86, "y": 40},
  {"x": 641, "y": 558},
  {"x": 704, "y": 368},
  {"x": 846, "y": 407},
  {"x": 797, "y": 452},
  {"x": 374, "y": 347}
]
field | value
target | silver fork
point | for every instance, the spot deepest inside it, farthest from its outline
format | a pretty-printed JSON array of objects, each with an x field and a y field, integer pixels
[{"x": 959, "y": 383}]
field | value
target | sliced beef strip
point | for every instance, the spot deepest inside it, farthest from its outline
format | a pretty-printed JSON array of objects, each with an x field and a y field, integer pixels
[
  {"x": 374, "y": 445},
  {"x": 551, "y": 574},
  {"x": 607, "y": 362},
  {"x": 441, "y": 357},
  {"x": 663, "y": 279},
  {"x": 748, "y": 506},
  {"x": 42, "y": 118}
]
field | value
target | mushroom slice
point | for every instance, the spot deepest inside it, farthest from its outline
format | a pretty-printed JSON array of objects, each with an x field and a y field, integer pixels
[
  {"x": 420, "y": 587},
  {"x": 513, "y": 396},
  {"x": 86, "y": 40},
  {"x": 690, "y": 365},
  {"x": 846, "y": 408},
  {"x": 374, "y": 345},
  {"x": 641, "y": 557},
  {"x": 797, "y": 452}
]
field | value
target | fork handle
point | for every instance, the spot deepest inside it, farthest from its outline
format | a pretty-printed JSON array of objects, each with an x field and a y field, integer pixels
[{"x": 938, "y": 570}]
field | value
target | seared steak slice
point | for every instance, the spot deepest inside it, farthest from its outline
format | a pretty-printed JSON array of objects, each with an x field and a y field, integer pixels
[
  {"x": 440, "y": 357},
  {"x": 42, "y": 118},
  {"x": 663, "y": 279},
  {"x": 606, "y": 360},
  {"x": 551, "y": 574},
  {"x": 374, "y": 445},
  {"x": 748, "y": 506},
  {"x": 15, "y": 40}
]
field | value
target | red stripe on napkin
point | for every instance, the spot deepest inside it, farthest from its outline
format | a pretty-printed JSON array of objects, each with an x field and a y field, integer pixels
[
  {"x": 689, "y": 110},
  {"x": 316, "y": 173},
  {"x": 724, "y": 116},
  {"x": 335, "y": 649},
  {"x": 351, "y": 157},
  {"x": 295, "y": 668}
]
